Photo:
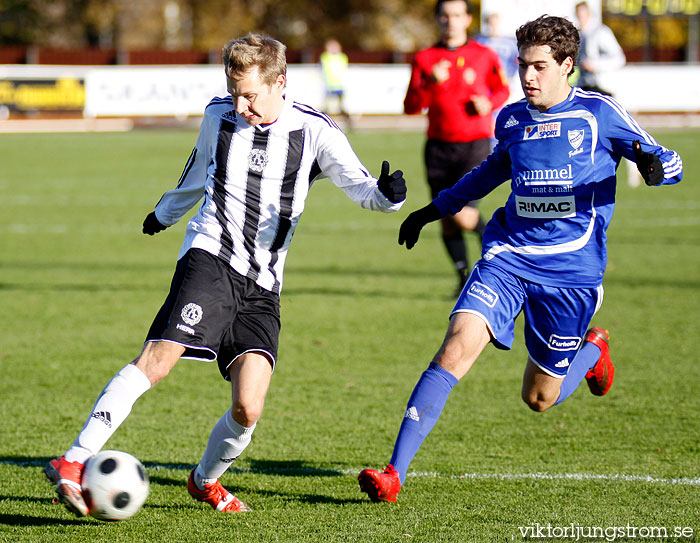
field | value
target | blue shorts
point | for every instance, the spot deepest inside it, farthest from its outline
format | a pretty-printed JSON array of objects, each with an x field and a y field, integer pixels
[{"x": 555, "y": 318}]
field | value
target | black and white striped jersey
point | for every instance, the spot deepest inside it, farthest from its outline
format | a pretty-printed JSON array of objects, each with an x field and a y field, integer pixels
[{"x": 255, "y": 181}]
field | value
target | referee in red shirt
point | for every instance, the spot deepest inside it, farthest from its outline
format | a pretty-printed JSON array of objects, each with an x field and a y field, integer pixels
[{"x": 460, "y": 82}]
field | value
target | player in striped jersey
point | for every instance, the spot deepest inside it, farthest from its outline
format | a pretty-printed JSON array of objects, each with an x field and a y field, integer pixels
[
  {"x": 256, "y": 157},
  {"x": 544, "y": 252}
]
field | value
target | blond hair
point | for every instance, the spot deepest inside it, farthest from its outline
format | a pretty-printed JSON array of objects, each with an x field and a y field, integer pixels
[{"x": 255, "y": 51}]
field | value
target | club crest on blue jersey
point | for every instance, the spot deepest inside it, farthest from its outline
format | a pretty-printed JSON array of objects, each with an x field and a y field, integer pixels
[
  {"x": 575, "y": 140},
  {"x": 542, "y": 130}
]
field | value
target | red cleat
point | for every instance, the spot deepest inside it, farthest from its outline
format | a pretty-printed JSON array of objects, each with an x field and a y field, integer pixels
[
  {"x": 68, "y": 476},
  {"x": 216, "y": 496},
  {"x": 381, "y": 486},
  {"x": 600, "y": 376}
]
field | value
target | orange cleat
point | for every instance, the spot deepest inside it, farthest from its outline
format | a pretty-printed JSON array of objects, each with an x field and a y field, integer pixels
[
  {"x": 216, "y": 496},
  {"x": 67, "y": 476},
  {"x": 600, "y": 376},
  {"x": 380, "y": 486}
]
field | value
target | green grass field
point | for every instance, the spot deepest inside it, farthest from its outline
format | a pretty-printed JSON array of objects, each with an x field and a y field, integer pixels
[{"x": 79, "y": 285}]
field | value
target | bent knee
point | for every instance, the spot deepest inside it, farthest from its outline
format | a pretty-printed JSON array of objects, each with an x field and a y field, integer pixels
[
  {"x": 247, "y": 413},
  {"x": 157, "y": 359},
  {"x": 154, "y": 369},
  {"x": 537, "y": 401}
]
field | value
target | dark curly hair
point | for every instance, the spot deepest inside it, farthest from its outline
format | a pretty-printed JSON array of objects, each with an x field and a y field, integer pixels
[{"x": 556, "y": 32}]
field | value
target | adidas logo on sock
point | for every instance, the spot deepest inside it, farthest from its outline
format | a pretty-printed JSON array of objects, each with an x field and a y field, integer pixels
[
  {"x": 511, "y": 122},
  {"x": 412, "y": 413},
  {"x": 104, "y": 416}
]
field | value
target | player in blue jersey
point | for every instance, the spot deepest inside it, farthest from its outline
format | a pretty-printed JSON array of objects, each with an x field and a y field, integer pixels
[{"x": 544, "y": 251}]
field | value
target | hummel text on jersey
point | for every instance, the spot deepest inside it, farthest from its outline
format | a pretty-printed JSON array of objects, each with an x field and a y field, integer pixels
[
  {"x": 552, "y": 176},
  {"x": 546, "y": 207}
]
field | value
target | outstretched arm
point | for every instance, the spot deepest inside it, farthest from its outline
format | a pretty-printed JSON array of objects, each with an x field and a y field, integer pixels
[
  {"x": 474, "y": 185},
  {"x": 623, "y": 135},
  {"x": 337, "y": 161},
  {"x": 414, "y": 223}
]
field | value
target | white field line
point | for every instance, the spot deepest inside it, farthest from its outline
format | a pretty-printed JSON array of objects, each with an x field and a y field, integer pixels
[
  {"x": 320, "y": 471},
  {"x": 546, "y": 476},
  {"x": 537, "y": 476}
]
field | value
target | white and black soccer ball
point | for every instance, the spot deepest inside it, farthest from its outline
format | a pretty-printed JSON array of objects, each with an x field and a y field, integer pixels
[{"x": 115, "y": 485}]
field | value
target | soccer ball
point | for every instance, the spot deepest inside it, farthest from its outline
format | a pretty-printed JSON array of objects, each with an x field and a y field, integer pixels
[{"x": 115, "y": 485}]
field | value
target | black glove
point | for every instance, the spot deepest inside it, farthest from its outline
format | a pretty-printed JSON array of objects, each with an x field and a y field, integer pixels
[
  {"x": 648, "y": 165},
  {"x": 392, "y": 186},
  {"x": 411, "y": 227},
  {"x": 151, "y": 225}
]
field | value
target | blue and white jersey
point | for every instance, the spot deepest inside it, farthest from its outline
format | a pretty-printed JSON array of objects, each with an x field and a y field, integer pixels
[{"x": 562, "y": 165}]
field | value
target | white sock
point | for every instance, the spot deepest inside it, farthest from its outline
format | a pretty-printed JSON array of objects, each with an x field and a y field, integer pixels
[
  {"x": 227, "y": 441},
  {"x": 110, "y": 410}
]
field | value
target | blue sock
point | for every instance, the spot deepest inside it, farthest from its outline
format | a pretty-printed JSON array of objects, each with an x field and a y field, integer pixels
[
  {"x": 424, "y": 408},
  {"x": 584, "y": 360}
]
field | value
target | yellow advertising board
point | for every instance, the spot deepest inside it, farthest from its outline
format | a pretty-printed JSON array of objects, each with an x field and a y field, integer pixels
[{"x": 64, "y": 94}]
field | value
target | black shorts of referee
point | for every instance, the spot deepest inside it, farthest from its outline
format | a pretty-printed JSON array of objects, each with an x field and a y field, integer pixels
[{"x": 446, "y": 162}]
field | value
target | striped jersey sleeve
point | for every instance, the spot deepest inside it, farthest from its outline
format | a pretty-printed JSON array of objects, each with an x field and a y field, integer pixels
[{"x": 254, "y": 181}]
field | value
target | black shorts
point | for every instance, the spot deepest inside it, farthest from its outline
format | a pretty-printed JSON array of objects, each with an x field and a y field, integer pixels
[
  {"x": 446, "y": 162},
  {"x": 216, "y": 313}
]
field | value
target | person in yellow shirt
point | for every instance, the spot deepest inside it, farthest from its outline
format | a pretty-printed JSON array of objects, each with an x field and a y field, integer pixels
[{"x": 334, "y": 64}]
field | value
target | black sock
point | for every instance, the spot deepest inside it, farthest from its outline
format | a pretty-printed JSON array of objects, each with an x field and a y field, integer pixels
[{"x": 457, "y": 249}]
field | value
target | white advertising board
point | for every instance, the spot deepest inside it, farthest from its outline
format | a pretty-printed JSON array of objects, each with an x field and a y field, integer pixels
[
  {"x": 123, "y": 91},
  {"x": 115, "y": 91},
  {"x": 181, "y": 91},
  {"x": 655, "y": 87}
]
